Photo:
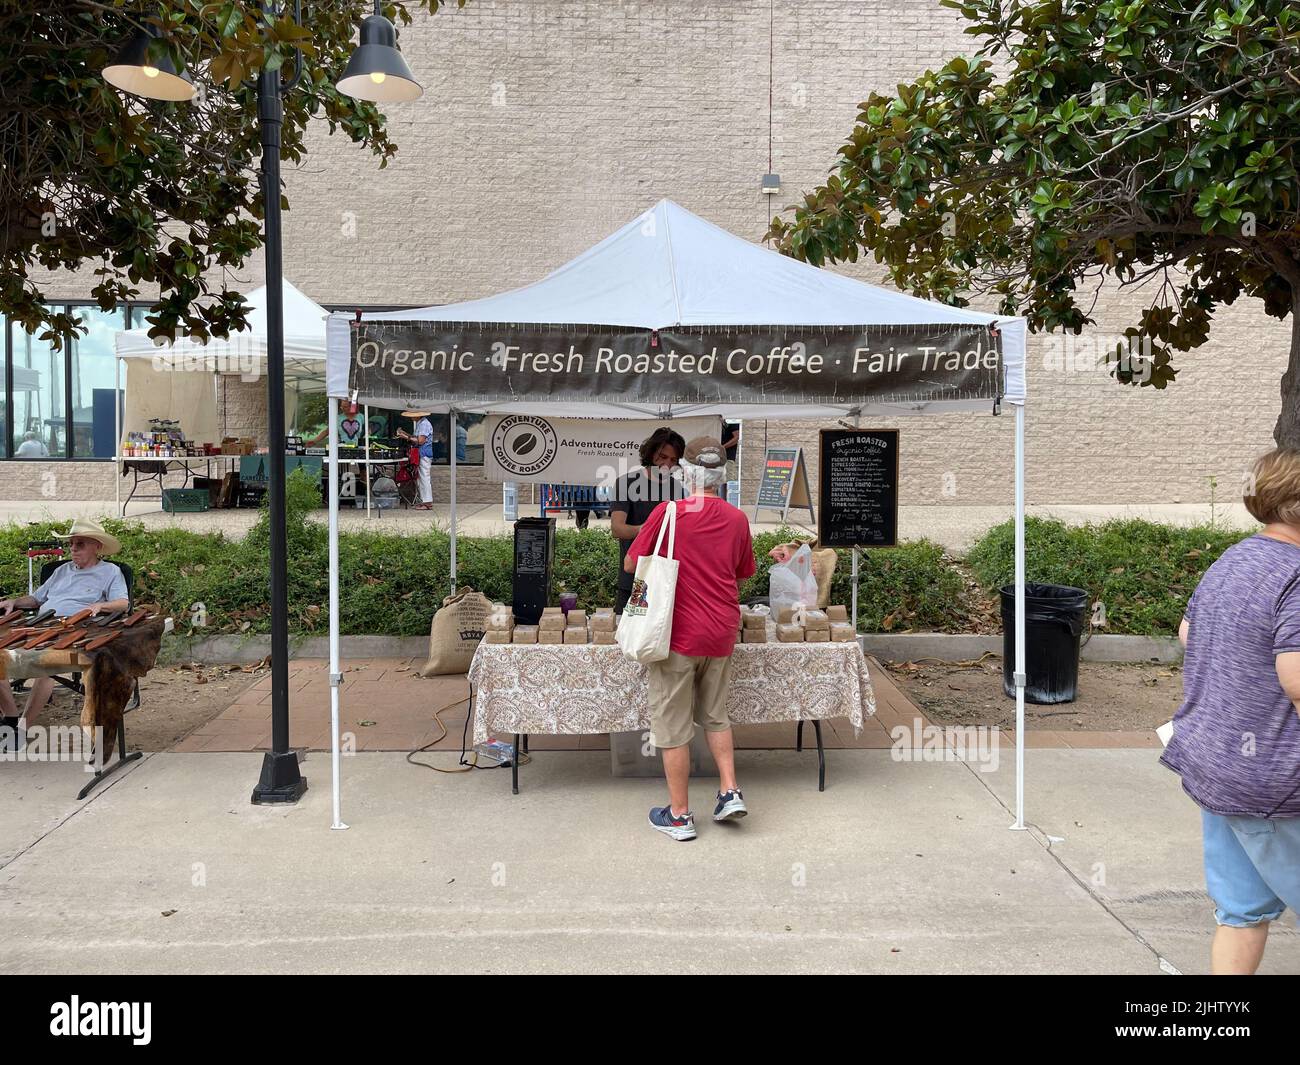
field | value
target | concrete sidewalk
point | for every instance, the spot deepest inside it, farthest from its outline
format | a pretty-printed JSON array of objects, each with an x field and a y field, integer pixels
[{"x": 896, "y": 868}]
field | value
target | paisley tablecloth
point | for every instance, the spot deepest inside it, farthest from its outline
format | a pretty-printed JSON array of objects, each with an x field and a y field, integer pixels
[{"x": 558, "y": 689}]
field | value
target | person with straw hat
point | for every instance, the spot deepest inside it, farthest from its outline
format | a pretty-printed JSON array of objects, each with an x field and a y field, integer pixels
[
  {"x": 423, "y": 439},
  {"x": 84, "y": 582}
]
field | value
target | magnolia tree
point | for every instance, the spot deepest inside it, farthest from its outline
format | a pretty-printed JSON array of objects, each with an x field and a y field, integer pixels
[
  {"x": 150, "y": 193},
  {"x": 1151, "y": 142}
]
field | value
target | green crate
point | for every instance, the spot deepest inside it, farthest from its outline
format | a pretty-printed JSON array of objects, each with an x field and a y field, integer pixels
[{"x": 185, "y": 500}]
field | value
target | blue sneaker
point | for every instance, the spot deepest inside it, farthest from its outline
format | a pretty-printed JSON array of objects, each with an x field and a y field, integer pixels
[
  {"x": 731, "y": 805},
  {"x": 663, "y": 820}
]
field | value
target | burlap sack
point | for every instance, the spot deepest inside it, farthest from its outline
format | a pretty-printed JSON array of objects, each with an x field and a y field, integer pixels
[
  {"x": 823, "y": 566},
  {"x": 456, "y": 631}
]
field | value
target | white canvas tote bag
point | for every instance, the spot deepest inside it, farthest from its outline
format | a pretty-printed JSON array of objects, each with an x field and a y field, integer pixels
[{"x": 646, "y": 629}]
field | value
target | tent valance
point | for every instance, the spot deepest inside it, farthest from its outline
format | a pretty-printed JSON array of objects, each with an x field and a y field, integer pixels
[{"x": 672, "y": 314}]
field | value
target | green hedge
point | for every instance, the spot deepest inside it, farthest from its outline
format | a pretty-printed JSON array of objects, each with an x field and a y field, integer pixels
[
  {"x": 1143, "y": 572},
  {"x": 390, "y": 584}
]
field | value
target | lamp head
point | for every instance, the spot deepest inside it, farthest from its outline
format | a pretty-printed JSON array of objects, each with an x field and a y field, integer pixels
[
  {"x": 377, "y": 72},
  {"x": 153, "y": 77}
]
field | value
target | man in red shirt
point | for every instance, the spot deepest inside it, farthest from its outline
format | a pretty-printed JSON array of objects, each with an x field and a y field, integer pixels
[{"x": 714, "y": 554}]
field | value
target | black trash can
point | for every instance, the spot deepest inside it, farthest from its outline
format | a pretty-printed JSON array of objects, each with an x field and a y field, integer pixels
[{"x": 1053, "y": 624}]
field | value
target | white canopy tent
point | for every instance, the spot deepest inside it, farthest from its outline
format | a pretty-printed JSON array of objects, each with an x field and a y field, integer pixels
[
  {"x": 182, "y": 379},
  {"x": 671, "y": 286},
  {"x": 243, "y": 352}
]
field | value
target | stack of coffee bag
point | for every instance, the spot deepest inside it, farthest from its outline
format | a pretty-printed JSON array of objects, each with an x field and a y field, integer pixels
[{"x": 500, "y": 624}]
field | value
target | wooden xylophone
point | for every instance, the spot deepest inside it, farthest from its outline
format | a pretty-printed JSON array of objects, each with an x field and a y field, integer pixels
[{"x": 28, "y": 630}]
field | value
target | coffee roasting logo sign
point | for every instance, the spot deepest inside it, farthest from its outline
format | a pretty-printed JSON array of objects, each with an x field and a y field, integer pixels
[
  {"x": 579, "y": 451},
  {"x": 524, "y": 446}
]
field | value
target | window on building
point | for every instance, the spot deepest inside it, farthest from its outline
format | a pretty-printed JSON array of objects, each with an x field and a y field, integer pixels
[
  {"x": 469, "y": 439},
  {"x": 92, "y": 366},
  {"x": 39, "y": 428},
  {"x": 59, "y": 404}
]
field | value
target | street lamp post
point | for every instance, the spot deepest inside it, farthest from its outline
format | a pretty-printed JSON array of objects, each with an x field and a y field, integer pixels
[
  {"x": 377, "y": 73},
  {"x": 281, "y": 781}
]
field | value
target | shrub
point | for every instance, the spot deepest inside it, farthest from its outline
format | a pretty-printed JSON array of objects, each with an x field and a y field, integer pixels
[
  {"x": 391, "y": 584},
  {"x": 1143, "y": 572}
]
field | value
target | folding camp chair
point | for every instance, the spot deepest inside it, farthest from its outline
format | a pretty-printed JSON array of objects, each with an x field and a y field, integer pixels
[{"x": 407, "y": 478}]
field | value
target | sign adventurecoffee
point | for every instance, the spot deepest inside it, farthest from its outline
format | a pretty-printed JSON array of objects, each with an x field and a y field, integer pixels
[
  {"x": 476, "y": 363},
  {"x": 524, "y": 447}
]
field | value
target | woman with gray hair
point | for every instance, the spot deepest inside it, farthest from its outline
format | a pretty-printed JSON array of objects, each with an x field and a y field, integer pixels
[
  {"x": 1236, "y": 741},
  {"x": 714, "y": 554}
]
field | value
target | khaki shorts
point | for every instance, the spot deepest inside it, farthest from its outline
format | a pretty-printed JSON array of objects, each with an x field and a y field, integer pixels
[{"x": 685, "y": 689}]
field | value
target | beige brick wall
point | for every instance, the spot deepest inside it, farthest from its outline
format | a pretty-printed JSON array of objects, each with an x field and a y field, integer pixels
[
  {"x": 546, "y": 124},
  {"x": 52, "y": 481}
]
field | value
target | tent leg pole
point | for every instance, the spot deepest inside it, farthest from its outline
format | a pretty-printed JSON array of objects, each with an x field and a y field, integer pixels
[
  {"x": 451, "y": 448},
  {"x": 1020, "y": 618},
  {"x": 855, "y": 593},
  {"x": 369, "y": 469},
  {"x": 856, "y": 418},
  {"x": 336, "y": 673},
  {"x": 117, "y": 434}
]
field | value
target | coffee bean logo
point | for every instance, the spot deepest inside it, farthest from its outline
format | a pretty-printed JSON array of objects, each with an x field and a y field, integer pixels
[{"x": 523, "y": 445}]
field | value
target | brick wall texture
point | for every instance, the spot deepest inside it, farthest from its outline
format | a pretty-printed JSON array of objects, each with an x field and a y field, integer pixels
[{"x": 546, "y": 124}]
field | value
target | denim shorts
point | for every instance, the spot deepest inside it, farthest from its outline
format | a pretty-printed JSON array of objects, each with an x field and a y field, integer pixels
[{"x": 1252, "y": 867}]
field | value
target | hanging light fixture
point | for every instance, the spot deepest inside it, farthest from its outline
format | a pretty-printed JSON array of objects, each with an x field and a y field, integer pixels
[
  {"x": 377, "y": 72},
  {"x": 136, "y": 72}
]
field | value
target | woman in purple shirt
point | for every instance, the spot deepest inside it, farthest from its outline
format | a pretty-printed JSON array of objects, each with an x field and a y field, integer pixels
[{"x": 1236, "y": 741}]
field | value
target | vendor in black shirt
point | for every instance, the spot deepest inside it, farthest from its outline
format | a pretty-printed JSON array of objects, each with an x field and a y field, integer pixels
[{"x": 637, "y": 494}]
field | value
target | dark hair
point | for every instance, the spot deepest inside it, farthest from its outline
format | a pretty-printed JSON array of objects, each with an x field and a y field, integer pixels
[{"x": 656, "y": 440}]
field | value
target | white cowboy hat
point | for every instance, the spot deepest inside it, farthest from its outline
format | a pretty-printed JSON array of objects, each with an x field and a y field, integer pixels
[
  {"x": 108, "y": 543},
  {"x": 416, "y": 413}
]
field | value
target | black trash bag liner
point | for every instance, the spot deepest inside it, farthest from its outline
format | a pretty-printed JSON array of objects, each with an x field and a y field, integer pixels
[{"x": 1054, "y": 616}]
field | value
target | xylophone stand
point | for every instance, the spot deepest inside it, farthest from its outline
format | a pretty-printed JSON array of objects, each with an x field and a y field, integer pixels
[{"x": 123, "y": 757}]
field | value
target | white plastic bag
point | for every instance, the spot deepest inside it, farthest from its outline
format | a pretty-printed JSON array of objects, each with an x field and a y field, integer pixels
[
  {"x": 792, "y": 583},
  {"x": 646, "y": 629}
]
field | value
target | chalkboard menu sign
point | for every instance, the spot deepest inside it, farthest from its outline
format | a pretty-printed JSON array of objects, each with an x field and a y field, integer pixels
[
  {"x": 778, "y": 475},
  {"x": 785, "y": 481},
  {"x": 858, "y": 482}
]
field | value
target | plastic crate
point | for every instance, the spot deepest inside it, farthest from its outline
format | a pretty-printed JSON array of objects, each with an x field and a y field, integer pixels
[{"x": 185, "y": 500}]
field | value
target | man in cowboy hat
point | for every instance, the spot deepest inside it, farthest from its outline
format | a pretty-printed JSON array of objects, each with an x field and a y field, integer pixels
[
  {"x": 423, "y": 439},
  {"x": 83, "y": 582}
]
